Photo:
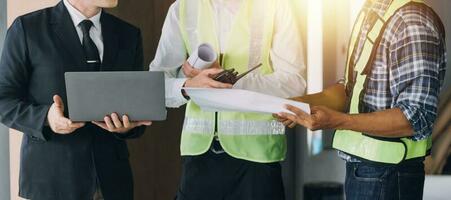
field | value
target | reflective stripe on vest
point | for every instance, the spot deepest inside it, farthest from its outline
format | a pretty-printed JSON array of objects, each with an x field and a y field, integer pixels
[
  {"x": 234, "y": 127},
  {"x": 356, "y": 143},
  {"x": 249, "y": 136}
]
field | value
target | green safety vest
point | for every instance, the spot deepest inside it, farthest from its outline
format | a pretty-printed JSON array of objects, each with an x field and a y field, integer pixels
[
  {"x": 248, "y": 136},
  {"x": 390, "y": 151}
]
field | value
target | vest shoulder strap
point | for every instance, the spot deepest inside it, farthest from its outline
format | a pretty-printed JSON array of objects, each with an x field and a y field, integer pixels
[{"x": 185, "y": 7}]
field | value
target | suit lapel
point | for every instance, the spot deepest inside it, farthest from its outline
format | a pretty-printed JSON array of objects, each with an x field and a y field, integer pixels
[
  {"x": 110, "y": 42},
  {"x": 67, "y": 35}
]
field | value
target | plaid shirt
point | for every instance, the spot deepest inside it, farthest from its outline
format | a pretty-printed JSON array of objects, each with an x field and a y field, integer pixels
[{"x": 409, "y": 67}]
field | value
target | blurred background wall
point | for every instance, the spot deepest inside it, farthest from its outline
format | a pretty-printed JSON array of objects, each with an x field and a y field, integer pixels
[{"x": 442, "y": 8}]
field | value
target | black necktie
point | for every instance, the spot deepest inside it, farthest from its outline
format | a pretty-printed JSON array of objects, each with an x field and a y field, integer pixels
[{"x": 90, "y": 48}]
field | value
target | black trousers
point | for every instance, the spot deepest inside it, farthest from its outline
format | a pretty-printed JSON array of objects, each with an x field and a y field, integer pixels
[{"x": 221, "y": 177}]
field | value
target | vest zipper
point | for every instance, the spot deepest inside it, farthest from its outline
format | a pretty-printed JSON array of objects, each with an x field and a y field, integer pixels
[{"x": 216, "y": 124}]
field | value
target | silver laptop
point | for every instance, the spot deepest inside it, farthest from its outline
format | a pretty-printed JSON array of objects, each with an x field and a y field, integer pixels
[{"x": 93, "y": 95}]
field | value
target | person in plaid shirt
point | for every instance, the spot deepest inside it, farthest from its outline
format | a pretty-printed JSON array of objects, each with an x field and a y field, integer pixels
[{"x": 400, "y": 100}]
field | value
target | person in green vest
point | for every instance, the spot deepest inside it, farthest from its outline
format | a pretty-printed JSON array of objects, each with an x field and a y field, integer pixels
[
  {"x": 230, "y": 155},
  {"x": 384, "y": 110}
]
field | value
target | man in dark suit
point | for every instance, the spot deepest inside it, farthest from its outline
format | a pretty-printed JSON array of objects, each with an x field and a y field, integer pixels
[{"x": 61, "y": 159}]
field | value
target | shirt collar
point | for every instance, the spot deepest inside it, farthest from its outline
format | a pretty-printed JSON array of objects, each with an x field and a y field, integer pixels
[{"x": 78, "y": 17}]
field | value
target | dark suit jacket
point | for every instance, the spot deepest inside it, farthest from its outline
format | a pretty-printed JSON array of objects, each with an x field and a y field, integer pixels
[{"x": 39, "y": 48}]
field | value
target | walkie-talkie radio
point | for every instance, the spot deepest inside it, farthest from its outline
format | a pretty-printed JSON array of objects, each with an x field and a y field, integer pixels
[{"x": 231, "y": 76}]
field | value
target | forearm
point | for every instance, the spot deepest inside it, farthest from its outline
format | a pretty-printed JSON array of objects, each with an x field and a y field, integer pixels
[
  {"x": 174, "y": 79},
  {"x": 389, "y": 123},
  {"x": 333, "y": 97},
  {"x": 24, "y": 117}
]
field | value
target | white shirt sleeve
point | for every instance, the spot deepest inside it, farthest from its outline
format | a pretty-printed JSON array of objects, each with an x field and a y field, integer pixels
[
  {"x": 170, "y": 56},
  {"x": 286, "y": 57}
]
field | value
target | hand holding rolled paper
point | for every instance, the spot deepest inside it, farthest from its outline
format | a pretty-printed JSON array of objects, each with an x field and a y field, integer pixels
[{"x": 203, "y": 57}]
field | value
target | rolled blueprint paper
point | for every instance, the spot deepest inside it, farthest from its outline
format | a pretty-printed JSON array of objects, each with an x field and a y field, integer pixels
[{"x": 203, "y": 57}]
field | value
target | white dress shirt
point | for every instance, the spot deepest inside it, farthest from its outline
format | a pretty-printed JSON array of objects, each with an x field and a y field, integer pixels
[
  {"x": 96, "y": 30},
  {"x": 286, "y": 53}
]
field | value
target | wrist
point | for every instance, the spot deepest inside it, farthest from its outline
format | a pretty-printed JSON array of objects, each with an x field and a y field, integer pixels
[
  {"x": 184, "y": 94},
  {"x": 187, "y": 83},
  {"x": 344, "y": 121}
]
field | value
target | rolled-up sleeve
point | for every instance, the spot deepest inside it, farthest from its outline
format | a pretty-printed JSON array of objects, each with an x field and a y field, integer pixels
[
  {"x": 171, "y": 54},
  {"x": 417, "y": 68}
]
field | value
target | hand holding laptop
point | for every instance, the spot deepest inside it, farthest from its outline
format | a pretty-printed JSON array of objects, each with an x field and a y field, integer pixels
[
  {"x": 113, "y": 124},
  {"x": 62, "y": 125},
  {"x": 56, "y": 120},
  {"x": 116, "y": 101}
]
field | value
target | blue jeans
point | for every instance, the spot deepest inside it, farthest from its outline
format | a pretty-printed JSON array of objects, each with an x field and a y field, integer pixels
[{"x": 366, "y": 181}]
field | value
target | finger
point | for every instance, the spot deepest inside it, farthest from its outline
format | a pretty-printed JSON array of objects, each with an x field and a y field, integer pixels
[
  {"x": 140, "y": 123},
  {"x": 64, "y": 132},
  {"x": 212, "y": 71},
  {"x": 126, "y": 121},
  {"x": 292, "y": 125},
  {"x": 57, "y": 100},
  {"x": 100, "y": 124},
  {"x": 185, "y": 66},
  {"x": 59, "y": 130},
  {"x": 116, "y": 121},
  {"x": 189, "y": 71},
  {"x": 279, "y": 117},
  {"x": 303, "y": 122},
  {"x": 193, "y": 71},
  {"x": 96, "y": 123},
  {"x": 296, "y": 110},
  {"x": 58, "y": 103},
  {"x": 109, "y": 123},
  {"x": 186, "y": 73},
  {"x": 291, "y": 117},
  {"x": 286, "y": 122},
  {"x": 294, "y": 118},
  {"x": 77, "y": 125},
  {"x": 216, "y": 84},
  {"x": 67, "y": 124},
  {"x": 74, "y": 125},
  {"x": 144, "y": 123}
]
